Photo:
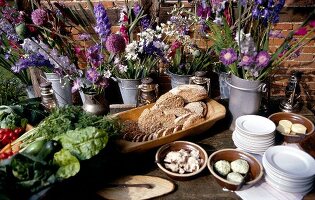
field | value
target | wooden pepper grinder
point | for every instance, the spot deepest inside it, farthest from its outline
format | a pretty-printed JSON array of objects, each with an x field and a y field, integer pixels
[
  {"x": 147, "y": 92},
  {"x": 48, "y": 97}
]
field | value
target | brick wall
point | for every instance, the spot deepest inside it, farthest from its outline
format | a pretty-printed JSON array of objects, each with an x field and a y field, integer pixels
[{"x": 291, "y": 17}]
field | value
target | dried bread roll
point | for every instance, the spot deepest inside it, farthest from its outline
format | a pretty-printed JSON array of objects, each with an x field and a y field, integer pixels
[
  {"x": 168, "y": 101},
  {"x": 190, "y": 93},
  {"x": 298, "y": 128},
  {"x": 210, "y": 111},
  {"x": 193, "y": 120},
  {"x": 177, "y": 111},
  {"x": 181, "y": 120},
  {"x": 199, "y": 108},
  {"x": 153, "y": 120}
]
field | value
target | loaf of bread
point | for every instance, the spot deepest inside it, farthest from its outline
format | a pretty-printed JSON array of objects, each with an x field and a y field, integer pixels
[
  {"x": 199, "y": 108},
  {"x": 176, "y": 110},
  {"x": 190, "y": 93}
]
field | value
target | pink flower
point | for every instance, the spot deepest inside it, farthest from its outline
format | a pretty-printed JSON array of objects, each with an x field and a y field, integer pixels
[
  {"x": 2, "y": 3},
  {"x": 301, "y": 31},
  {"x": 39, "y": 17},
  {"x": 312, "y": 23}
]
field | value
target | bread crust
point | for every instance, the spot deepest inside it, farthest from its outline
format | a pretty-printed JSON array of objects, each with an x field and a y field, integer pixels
[
  {"x": 192, "y": 121},
  {"x": 199, "y": 108},
  {"x": 190, "y": 93}
]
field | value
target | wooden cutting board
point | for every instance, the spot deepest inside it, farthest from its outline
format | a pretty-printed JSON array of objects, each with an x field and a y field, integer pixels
[{"x": 160, "y": 187}]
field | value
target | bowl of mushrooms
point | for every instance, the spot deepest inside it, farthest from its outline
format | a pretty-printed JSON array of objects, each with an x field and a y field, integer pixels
[{"x": 181, "y": 160}]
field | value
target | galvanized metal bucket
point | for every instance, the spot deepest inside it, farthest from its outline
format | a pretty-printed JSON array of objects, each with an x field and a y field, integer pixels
[
  {"x": 177, "y": 80},
  {"x": 129, "y": 89},
  {"x": 245, "y": 97},
  {"x": 61, "y": 87}
]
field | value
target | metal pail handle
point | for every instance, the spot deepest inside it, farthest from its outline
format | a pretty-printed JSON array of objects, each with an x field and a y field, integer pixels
[{"x": 260, "y": 88}]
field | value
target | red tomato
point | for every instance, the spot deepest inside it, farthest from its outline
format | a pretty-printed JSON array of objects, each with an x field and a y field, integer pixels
[
  {"x": 2, "y": 131},
  {"x": 18, "y": 130}
]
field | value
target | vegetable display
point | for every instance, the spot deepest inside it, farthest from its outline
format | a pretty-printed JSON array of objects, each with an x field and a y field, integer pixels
[{"x": 52, "y": 151}]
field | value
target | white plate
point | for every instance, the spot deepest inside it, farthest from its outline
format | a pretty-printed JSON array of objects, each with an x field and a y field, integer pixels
[
  {"x": 289, "y": 183},
  {"x": 255, "y": 125},
  {"x": 254, "y": 142},
  {"x": 256, "y": 137},
  {"x": 290, "y": 162},
  {"x": 287, "y": 189},
  {"x": 271, "y": 171}
]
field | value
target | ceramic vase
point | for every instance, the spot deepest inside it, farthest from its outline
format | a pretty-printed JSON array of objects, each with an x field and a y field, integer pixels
[
  {"x": 61, "y": 87},
  {"x": 129, "y": 90},
  {"x": 245, "y": 97},
  {"x": 95, "y": 103}
]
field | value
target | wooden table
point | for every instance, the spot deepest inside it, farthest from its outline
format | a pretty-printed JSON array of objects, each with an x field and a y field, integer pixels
[{"x": 110, "y": 164}]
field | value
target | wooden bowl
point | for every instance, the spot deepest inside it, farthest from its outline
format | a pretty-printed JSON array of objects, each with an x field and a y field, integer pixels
[
  {"x": 294, "y": 118},
  {"x": 176, "y": 146},
  {"x": 255, "y": 168},
  {"x": 125, "y": 146}
]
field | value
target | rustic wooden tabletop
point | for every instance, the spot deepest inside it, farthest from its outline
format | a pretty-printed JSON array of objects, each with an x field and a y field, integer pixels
[{"x": 111, "y": 164}]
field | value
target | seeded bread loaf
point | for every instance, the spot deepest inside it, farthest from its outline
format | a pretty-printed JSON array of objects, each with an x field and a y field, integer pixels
[
  {"x": 190, "y": 93},
  {"x": 199, "y": 108},
  {"x": 169, "y": 101},
  {"x": 153, "y": 120},
  {"x": 193, "y": 120},
  {"x": 177, "y": 111}
]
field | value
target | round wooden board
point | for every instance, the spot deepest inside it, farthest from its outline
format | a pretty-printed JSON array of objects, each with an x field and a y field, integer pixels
[{"x": 160, "y": 187}]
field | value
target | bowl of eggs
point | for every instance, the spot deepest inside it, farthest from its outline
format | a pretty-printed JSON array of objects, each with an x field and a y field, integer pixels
[
  {"x": 181, "y": 160},
  {"x": 234, "y": 169},
  {"x": 293, "y": 127}
]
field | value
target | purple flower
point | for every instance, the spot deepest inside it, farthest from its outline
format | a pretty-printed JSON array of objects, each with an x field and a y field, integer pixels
[
  {"x": 276, "y": 34},
  {"x": 92, "y": 75},
  {"x": 256, "y": 12},
  {"x": 34, "y": 60},
  {"x": 84, "y": 36},
  {"x": 136, "y": 8},
  {"x": 94, "y": 55},
  {"x": 103, "y": 82},
  {"x": 76, "y": 85},
  {"x": 145, "y": 22},
  {"x": 39, "y": 17},
  {"x": 102, "y": 22},
  {"x": 247, "y": 60},
  {"x": 262, "y": 59},
  {"x": 228, "y": 56},
  {"x": 203, "y": 12},
  {"x": 115, "y": 43}
]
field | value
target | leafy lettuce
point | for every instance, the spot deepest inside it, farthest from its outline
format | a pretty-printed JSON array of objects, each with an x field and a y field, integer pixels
[
  {"x": 68, "y": 164},
  {"x": 84, "y": 143}
]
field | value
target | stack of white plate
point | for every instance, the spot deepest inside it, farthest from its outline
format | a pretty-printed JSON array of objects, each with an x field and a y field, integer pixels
[
  {"x": 254, "y": 134},
  {"x": 289, "y": 169}
]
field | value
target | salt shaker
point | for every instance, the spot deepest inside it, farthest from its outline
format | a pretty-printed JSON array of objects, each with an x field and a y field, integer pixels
[
  {"x": 201, "y": 79},
  {"x": 47, "y": 95},
  {"x": 147, "y": 92}
]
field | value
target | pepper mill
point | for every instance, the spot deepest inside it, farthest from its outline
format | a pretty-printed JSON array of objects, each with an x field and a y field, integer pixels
[
  {"x": 292, "y": 101},
  {"x": 147, "y": 92},
  {"x": 48, "y": 97},
  {"x": 201, "y": 79}
]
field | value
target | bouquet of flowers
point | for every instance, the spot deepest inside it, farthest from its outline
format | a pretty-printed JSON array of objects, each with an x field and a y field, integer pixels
[
  {"x": 184, "y": 56},
  {"x": 135, "y": 56},
  {"x": 241, "y": 41}
]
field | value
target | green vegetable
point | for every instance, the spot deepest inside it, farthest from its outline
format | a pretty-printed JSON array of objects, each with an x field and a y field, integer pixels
[
  {"x": 69, "y": 164},
  {"x": 9, "y": 119},
  {"x": 35, "y": 147},
  {"x": 48, "y": 150},
  {"x": 84, "y": 143}
]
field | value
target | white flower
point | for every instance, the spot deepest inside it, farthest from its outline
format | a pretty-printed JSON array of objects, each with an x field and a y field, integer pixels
[
  {"x": 122, "y": 68},
  {"x": 107, "y": 74},
  {"x": 196, "y": 53}
]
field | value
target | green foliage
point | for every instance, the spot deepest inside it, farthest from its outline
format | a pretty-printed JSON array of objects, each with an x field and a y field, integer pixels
[
  {"x": 11, "y": 90},
  {"x": 68, "y": 164},
  {"x": 84, "y": 143}
]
